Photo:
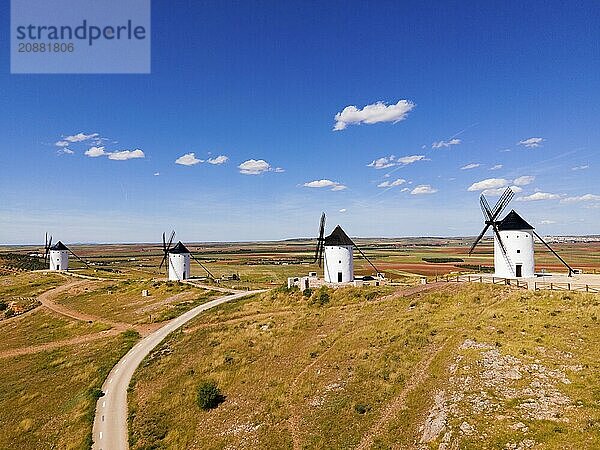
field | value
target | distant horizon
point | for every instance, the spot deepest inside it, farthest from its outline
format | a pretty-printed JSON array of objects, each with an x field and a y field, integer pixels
[{"x": 288, "y": 239}]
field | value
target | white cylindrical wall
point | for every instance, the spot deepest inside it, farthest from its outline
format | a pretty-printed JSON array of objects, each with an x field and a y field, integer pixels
[
  {"x": 519, "y": 251},
  {"x": 338, "y": 260},
  {"x": 59, "y": 260},
  {"x": 179, "y": 266}
]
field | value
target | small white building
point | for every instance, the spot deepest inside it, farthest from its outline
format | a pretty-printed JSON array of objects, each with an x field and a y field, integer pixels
[
  {"x": 179, "y": 262},
  {"x": 517, "y": 236},
  {"x": 338, "y": 263},
  {"x": 59, "y": 256},
  {"x": 301, "y": 283}
]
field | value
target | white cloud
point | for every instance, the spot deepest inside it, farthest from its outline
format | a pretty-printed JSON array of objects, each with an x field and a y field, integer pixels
[
  {"x": 532, "y": 142},
  {"x": 423, "y": 189},
  {"x": 256, "y": 167},
  {"x": 580, "y": 167},
  {"x": 319, "y": 184},
  {"x": 500, "y": 191},
  {"x": 582, "y": 198},
  {"x": 547, "y": 222},
  {"x": 94, "y": 152},
  {"x": 156, "y": 174},
  {"x": 383, "y": 163},
  {"x": 189, "y": 159},
  {"x": 538, "y": 196},
  {"x": 406, "y": 160},
  {"x": 278, "y": 170},
  {"x": 440, "y": 144},
  {"x": 490, "y": 183},
  {"x": 79, "y": 137},
  {"x": 343, "y": 210},
  {"x": 404, "y": 189},
  {"x": 391, "y": 161},
  {"x": 374, "y": 113},
  {"x": 395, "y": 183},
  {"x": 221, "y": 159},
  {"x": 61, "y": 143},
  {"x": 124, "y": 155},
  {"x": 470, "y": 166},
  {"x": 497, "y": 167},
  {"x": 524, "y": 180}
]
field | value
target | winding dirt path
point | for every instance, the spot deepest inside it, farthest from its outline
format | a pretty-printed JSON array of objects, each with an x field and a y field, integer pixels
[
  {"x": 110, "y": 421},
  {"x": 47, "y": 300}
]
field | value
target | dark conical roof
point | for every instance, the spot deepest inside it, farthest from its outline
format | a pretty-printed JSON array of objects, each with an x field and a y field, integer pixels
[
  {"x": 513, "y": 221},
  {"x": 338, "y": 237},
  {"x": 179, "y": 248},
  {"x": 59, "y": 246}
]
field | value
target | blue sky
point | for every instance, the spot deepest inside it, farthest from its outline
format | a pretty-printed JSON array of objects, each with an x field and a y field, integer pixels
[{"x": 450, "y": 96}]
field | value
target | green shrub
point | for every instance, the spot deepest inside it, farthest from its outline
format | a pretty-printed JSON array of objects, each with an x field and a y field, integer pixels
[
  {"x": 3, "y": 305},
  {"x": 307, "y": 292},
  {"x": 209, "y": 396},
  {"x": 361, "y": 408},
  {"x": 443, "y": 260},
  {"x": 96, "y": 393},
  {"x": 320, "y": 297}
]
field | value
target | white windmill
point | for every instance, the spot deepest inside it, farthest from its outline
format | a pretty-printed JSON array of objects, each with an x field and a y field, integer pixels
[
  {"x": 513, "y": 240},
  {"x": 337, "y": 248},
  {"x": 178, "y": 260},
  {"x": 58, "y": 255}
]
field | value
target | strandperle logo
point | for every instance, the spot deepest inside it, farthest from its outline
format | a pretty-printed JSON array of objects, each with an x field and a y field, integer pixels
[
  {"x": 83, "y": 32},
  {"x": 80, "y": 36}
]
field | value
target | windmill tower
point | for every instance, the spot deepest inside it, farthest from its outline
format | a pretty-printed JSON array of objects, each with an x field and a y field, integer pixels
[
  {"x": 178, "y": 259},
  {"x": 179, "y": 262},
  {"x": 58, "y": 255},
  {"x": 514, "y": 240},
  {"x": 339, "y": 262},
  {"x": 338, "y": 249},
  {"x": 517, "y": 237}
]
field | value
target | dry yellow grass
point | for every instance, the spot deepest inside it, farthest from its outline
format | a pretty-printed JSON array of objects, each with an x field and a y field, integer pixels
[
  {"x": 364, "y": 373},
  {"x": 47, "y": 399},
  {"x": 122, "y": 301}
]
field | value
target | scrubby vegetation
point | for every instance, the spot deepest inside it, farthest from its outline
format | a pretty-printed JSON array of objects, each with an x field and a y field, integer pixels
[
  {"x": 442, "y": 260},
  {"x": 473, "y": 267},
  {"x": 209, "y": 396},
  {"x": 22, "y": 262}
]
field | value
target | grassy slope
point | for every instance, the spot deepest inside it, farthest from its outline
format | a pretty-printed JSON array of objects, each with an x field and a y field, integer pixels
[
  {"x": 47, "y": 399},
  {"x": 42, "y": 326},
  {"x": 28, "y": 284},
  {"x": 284, "y": 364},
  {"x": 126, "y": 304}
]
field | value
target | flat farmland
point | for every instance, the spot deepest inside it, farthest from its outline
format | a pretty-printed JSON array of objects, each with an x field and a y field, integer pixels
[{"x": 267, "y": 264}]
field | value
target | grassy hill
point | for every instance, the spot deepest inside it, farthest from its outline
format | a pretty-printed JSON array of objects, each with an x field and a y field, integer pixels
[{"x": 460, "y": 366}]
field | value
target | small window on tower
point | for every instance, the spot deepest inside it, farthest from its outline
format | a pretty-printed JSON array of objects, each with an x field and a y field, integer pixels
[
  {"x": 518, "y": 251},
  {"x": 340, "y": 262}
]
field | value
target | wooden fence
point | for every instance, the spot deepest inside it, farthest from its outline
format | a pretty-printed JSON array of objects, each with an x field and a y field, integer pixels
[
  {"x": 541, "y": 286},
  {"x": 515, "y": 282}
]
